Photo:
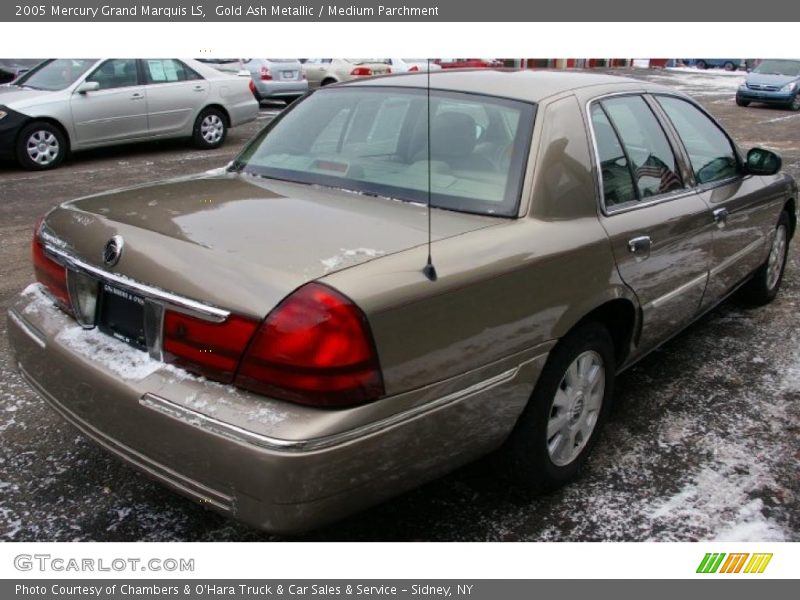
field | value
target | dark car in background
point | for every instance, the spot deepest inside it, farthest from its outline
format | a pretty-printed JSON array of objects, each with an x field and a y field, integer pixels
[{"x": 774, "y": 81}]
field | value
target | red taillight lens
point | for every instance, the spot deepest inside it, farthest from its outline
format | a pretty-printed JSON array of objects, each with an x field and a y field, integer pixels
[
  {"x": 361, "y": 72},
  {"x": 265, "y": 74},
  {"x": 413, "y": 68},
  {"x": 252, "y": 86},
  {"x": 209, "y": 349},
  {"x": 48, "y": 272},
  {"x": 314, "y": 348}
]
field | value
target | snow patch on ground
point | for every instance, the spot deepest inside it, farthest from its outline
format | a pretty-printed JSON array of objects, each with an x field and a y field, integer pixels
[{"x": 346, "y": 256}]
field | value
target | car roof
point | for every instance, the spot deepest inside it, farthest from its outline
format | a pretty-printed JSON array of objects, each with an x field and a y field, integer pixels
[{"x": 527, "y": 85}]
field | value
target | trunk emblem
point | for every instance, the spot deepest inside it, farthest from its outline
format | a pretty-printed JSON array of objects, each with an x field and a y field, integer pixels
[{"x": 113, "y": 250}]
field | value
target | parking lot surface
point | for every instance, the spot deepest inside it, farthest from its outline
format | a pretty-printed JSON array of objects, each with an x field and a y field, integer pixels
[{"x": 702, "y": 444}]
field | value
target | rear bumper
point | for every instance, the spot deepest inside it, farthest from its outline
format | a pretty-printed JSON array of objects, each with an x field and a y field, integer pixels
[
  {"x": 224, "y": 448},
  {"x": 782, "y": 98},
  {"x": 280, "y": 89}
]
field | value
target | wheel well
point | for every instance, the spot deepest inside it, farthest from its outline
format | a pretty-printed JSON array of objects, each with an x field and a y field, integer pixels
[
  {"x": 224, "y": 112},
  {"x": 619, "y": 317},
  {"x": 791, "y": 208},
  {"x": 328, "y": 81},
  {"x": 54, "y": 123}
]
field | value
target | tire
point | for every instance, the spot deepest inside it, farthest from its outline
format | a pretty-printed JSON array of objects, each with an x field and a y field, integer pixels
[
  {"x": 542, "y": 460},
  {"x": 701, "y": 64},
  {"x": 795, "y": 105},
  {"x": 327, "y": 82},
  {"x": 729, "y": 66},
  {"x": 210, "y": 129},
  {"x": 741, "y": 102},
  {"x": 766, "y": 282},
  {"x": 41, "y": 146}
]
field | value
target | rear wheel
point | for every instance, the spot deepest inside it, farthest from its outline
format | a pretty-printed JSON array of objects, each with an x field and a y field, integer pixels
[
  {"x": 41, "y": 146},
  {"x": 569, "y": 404},
  {"x": 328, "y": 81},
  {"x": 729, "y": 66},
  {"x": 210, "y": 129},
  {"x": 701, "y": 64},
  {"x": 766, "y": 282}
]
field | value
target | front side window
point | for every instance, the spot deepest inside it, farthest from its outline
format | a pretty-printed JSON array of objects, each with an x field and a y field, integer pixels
[
  {"x": 710, "y": 151},
  {"x": 650, "y": 158},
  {"x": 375, "y": 141},
  {"x": 167, "y": 70},
  {"x": 115, "y": 73}
]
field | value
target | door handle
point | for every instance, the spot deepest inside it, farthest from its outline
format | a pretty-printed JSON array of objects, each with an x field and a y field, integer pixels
[
  {"x": 137, "y": 96},
  {"x": 721, "y": 217},
  {"x": 640, "y": 246},
  {"x": 199, "y": 88}
]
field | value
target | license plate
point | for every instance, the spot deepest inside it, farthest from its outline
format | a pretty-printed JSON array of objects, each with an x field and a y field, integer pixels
[
  {"x": 288, "y": 74},
  {"x": 121, "y": 314}
]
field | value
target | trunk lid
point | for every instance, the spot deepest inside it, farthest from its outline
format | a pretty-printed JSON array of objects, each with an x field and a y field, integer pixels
[{"x": 243, "y": 243}]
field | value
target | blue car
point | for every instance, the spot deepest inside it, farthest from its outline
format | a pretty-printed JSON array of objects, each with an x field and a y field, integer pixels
[
  {"x": 729, "y": 64},
  {"x": 774, "y": 81}
]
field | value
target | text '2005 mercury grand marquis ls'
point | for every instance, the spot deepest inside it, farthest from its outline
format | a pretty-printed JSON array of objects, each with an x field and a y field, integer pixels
[{"x": 270, "y": 341}]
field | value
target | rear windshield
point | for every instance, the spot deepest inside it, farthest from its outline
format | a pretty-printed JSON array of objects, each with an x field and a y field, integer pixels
[{"x": 375, "y": 141}]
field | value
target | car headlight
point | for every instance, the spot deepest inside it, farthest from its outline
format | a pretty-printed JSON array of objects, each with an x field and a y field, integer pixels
[{"x": 789, "y": 87}]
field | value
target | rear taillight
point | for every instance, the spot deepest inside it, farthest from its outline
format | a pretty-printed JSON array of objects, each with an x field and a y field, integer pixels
[
  {"x": 48, "y": 272},
  {"x": 252, "y": 86},
  {"x": 314, "y": 348},
  {"x": 361, "y": 72},
  {"x": 265, "y": 74},
  {"x": 413, "y": 68},
  {"x": 205, "y": 348}
]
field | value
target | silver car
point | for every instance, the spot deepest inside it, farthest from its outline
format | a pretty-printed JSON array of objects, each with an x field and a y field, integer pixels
[
  {"x": 276, "y": 78},
  {"x": 71, "y": 104}
]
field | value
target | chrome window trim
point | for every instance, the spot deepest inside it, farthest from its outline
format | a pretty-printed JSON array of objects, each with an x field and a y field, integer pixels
[
  {"x": 630, "y": 206},
  {"x": 174, "y": 301},
  {"x": 234, "y": 432}
]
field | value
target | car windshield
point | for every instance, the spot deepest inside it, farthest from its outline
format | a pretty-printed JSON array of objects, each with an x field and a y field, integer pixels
[
  {"x": 789, "y": 68},
  {"x": 56, "y": 74},
  {"x": 374, "y": 140}
]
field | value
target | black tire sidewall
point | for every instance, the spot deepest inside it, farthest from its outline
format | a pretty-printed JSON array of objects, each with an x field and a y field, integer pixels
[
  {"x": 529, "y": 460},
  {"x": 22, "y": 155},
  {"x": 197, "y": 136}
]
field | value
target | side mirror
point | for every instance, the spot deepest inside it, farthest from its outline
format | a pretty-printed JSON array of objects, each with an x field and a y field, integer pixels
[
  {"x": 763, "y": 162},
  {"x": 88, "y": 86}
]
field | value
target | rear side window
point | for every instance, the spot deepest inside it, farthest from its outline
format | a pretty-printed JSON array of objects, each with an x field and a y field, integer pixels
[
  {"x": 167, "y": 70},
  {"x": 617, "y": 176},
  {"x": 650, "y": 158},
  {"x": 710, "y": 151}
]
